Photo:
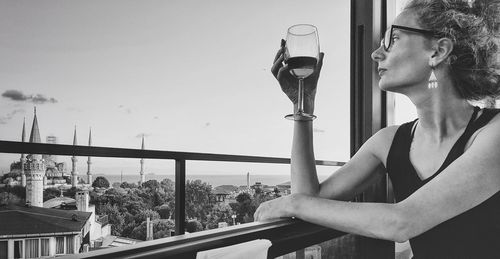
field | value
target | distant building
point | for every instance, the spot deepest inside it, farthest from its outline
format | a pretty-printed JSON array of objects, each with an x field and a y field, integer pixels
[
  {"x": 285, "y": 188},
  {"x": 56, "y": 173},
  {"x": 99, "y": 226},
  {"x": 220, "y": 195},
  {"x": 32, "y": 232},
  {"x": 141, "y": 173}
]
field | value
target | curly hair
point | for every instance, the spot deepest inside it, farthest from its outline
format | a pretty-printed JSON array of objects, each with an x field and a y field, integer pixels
[{"x": 474, "y": 28}]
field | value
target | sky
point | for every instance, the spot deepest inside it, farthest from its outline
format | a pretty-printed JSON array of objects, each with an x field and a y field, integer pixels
[{"x": 190, "y": 75}]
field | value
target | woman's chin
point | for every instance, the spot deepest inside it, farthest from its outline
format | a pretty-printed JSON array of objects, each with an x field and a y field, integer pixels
[{"x": 384, "y": 86}]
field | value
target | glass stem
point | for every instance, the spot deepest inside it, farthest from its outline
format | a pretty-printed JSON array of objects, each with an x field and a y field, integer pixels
[{"x": 300, "y": 97}]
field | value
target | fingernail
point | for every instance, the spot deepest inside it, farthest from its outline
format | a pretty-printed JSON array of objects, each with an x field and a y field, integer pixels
[{"x": 283, "y": 42}]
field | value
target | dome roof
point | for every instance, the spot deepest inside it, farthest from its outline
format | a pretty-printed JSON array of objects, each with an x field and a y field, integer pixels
[{"x": 56, "y": 202}]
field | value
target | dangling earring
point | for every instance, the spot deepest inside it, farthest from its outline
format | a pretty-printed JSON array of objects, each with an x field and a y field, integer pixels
[{"x": 433, "y": 82}]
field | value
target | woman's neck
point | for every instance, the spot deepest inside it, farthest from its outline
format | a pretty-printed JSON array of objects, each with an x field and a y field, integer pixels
[{"x": 441, "y": 112}]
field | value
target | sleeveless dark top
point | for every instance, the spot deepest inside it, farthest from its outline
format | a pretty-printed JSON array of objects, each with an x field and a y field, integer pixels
[{"x": 472, "y": 234}]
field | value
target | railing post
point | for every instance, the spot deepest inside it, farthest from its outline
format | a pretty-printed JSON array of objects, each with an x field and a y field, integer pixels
[{"x": 180, "y": 196}]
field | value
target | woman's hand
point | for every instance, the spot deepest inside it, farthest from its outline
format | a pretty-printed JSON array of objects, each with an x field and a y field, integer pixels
[
  {"x": 289, "y": 84},
  {"x": 277, "y": 208}
]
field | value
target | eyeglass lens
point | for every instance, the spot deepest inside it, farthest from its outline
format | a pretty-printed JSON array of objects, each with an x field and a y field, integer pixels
[{"x": 387, "y": 39}]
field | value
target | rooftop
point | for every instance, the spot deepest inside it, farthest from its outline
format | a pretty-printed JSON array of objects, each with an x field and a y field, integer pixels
[
  {"x": 24, "y": 221},
  {"x": 58, "y": 201}
]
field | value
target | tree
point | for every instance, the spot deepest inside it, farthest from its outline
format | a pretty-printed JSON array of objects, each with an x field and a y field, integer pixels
[
  {"x": 115, "y": 218},
  {"x": 220, "y": 213},
  {"x": 100, "y": 182},
  {"x": 194, "y": 226},
  {"x": 153, "y": 185},
  {"x": 167, "y": 185},
  {"x": 71, "y": 192},
  {"x": 244, "y": 207},
  {"x": 197, "y": 199},
  {"x": 164, "y": 211},
  {"x": 126, "y": 185},
  {"x": 50, "y": 193},
  {"x": 161, "y": 228},
  {"x": 143, "y": 215},
  {"x": 9, "y": 198}
]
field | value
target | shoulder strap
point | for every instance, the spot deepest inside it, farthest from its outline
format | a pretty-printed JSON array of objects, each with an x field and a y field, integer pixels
[
  {"x": 400, "y": 143},
  {"x": 458, "y": 149}
]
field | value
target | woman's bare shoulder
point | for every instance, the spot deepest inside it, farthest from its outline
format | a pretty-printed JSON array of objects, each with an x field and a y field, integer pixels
[
  {"x": 380, "y": 143},
  {"x": 489, "y": 132}
]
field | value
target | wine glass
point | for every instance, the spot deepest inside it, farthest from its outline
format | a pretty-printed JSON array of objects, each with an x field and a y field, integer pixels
[{"x": 301, "y": 56}]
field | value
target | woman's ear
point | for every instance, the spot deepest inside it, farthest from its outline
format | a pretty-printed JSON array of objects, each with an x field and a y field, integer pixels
[{"x": 442, "y": 50}]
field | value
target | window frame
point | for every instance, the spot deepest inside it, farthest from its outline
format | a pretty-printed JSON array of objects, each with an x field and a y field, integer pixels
[
  {"x": 22, "y": 247},
  {"x": 63, "y": 245}
]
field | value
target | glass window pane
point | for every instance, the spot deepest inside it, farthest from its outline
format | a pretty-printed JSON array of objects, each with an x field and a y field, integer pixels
[
  {"x": 18, "y": 249},
  {"x": 3, "y": 249},
  {"x": 59, "y": 245},
  {"x": 219, "y": 91},
  {"x": 44, "y": 247},
  {"x": 70, "y": 245},
  {"x": 31, "y": 248}
]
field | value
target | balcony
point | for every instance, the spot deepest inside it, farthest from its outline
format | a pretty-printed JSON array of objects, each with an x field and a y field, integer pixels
[
  {"x": 286, "y": 235},
  {"x": 103, "y": 220},
  {"x": 370, "y": 111}
]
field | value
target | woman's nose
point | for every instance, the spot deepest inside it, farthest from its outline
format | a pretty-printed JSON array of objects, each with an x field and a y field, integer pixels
[{"x": 378, "y": 55}]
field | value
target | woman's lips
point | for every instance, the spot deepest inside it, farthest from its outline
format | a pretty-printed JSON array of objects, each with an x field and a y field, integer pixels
[{"x": 381, "y": 71}]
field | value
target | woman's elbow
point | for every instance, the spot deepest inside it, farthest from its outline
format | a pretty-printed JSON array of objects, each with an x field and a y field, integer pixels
[{"x": 404, "y": 227}]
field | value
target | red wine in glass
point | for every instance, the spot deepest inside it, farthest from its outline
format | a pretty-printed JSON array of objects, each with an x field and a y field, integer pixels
[{"x": 302, "y": 67}]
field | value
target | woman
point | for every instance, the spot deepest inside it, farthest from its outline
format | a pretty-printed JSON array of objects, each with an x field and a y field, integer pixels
[{"x": 445, "y": 165}]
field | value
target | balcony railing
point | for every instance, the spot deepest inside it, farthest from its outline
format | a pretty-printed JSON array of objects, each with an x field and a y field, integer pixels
[
  {"x": 286, "y": 235},
  {"x": 103, "y": 220}
]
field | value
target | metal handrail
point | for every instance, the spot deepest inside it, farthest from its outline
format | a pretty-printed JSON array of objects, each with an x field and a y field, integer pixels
[
  {"x": 16, "y": 147},
  {"x": 286, "y": 236},
  {"x": 180, "y": 165}
]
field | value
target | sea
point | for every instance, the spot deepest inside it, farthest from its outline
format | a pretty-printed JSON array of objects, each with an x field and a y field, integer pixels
[{"x": 212, "y": 179}]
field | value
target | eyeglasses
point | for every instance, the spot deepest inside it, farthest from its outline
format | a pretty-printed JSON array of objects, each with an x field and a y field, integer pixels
[{"x": 387, "y": 39}]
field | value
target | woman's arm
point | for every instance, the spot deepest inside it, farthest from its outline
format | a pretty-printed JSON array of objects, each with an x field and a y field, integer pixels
[
  {"x": 467, "y": 182},
  {"x": 361, "y": 171}
]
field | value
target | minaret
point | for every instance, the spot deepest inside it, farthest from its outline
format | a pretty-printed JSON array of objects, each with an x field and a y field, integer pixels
[
  {"x": 35, "y": 170},
  {"x": 143, "y": 179},
  {"x": 89, "y": 174},
  {"x": 248, "y": 180},
  {"x": 74, "y": 174},
  {"x": 23, "y": 157}
]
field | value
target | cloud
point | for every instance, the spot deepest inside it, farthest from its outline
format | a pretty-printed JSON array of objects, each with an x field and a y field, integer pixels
[
  {"x": 18, "y": 96},
  {"x": 40, "y": 99},
  {"x": 7, "y": 117},
  {"x": 15, "y": 95},
  {"x": 125, "y": 109}
]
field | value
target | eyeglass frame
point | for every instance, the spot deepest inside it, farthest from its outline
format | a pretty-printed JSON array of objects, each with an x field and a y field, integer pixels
[{"x": 421, "y": 31}]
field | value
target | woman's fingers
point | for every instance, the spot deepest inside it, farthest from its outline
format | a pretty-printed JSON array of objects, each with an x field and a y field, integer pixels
[
  {"x": 278, "y": 59},
  {"x": 277, "y": 65},
  {"x": 283, "y": 69}
]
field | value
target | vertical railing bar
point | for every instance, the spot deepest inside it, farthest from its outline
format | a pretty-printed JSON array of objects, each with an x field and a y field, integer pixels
[{"x": 180, "y": 196}]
